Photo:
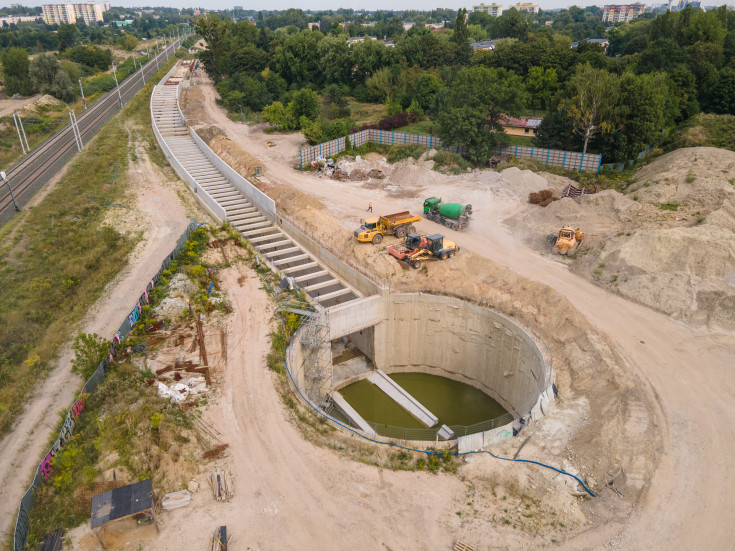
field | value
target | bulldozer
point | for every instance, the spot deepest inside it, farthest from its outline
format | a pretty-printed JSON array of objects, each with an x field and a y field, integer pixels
[
  {"x": 418, "y": 249},
  {"x": 568, "y": 241}
]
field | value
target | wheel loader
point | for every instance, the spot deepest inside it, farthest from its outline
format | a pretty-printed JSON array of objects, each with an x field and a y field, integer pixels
[
  {"x": 418, "y": 249},
  {"x": 568, "y": 241}
]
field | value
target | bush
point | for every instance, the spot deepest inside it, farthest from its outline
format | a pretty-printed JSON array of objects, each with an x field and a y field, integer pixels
[{"x": 397, "y": 121}]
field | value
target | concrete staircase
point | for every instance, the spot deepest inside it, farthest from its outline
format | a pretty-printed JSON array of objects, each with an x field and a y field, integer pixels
[{"x": 280, "y": 250}]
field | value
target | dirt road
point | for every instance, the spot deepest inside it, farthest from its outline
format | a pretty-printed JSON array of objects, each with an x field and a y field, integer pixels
[
  {"x": 9, "y": 105},
  {"x": 158, "y": 212},
  {"x": 689, "y": 503}
]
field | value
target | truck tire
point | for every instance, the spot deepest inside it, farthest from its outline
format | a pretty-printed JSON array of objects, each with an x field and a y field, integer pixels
[
  {"x": 415, "y": 264},
  {"x": 377, "y": 238},
  {"x": 448, "y": 223},
  {"x": 451, "y": 254},
  {"x": 401, "y": 232},
  {"x": 443, "y": 256},
  {"x": 411, "y": 229}
]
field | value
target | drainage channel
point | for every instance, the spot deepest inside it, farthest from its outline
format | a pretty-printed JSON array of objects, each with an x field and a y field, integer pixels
[{"x": 282, "y": 252}]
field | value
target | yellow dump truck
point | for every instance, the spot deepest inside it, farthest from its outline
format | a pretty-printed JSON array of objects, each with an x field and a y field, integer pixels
[{"x": 398, "y": 224}]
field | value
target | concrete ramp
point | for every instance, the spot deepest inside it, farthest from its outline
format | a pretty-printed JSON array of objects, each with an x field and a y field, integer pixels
[
  {"x": 403, "y": 398},
  {"x": 341, "y": 404}
]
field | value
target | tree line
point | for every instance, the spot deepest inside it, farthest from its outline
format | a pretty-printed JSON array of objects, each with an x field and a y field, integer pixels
[{"x": 658, "y": 71}]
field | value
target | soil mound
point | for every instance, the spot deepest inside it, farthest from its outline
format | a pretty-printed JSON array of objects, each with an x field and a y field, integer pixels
[{"x": 700, "y": 177}]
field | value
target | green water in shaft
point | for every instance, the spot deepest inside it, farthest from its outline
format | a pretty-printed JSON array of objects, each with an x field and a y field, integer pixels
[{"x": 453, "y": 402}]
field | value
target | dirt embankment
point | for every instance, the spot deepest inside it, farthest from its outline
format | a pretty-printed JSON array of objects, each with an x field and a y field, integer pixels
[
  {"x": 614, "y": 415},
  {"x": 668, "y": 242}
]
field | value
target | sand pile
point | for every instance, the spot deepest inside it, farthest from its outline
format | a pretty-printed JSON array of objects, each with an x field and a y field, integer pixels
[
  {"x": 43, "y": 103},
  {"x": 695, "y": 177},
  {"x": 217, "y": 140}
]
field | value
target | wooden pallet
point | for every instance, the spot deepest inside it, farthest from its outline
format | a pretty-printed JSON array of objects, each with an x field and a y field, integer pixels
[{"x": 462, "y": 546}]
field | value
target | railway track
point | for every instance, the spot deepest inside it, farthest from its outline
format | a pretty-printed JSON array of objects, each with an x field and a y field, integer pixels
[{"x": 39, "y": 166}]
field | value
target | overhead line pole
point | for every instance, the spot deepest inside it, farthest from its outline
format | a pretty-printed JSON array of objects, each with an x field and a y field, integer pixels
[
  {"x": 28, "y": 147},
  {"x": 23, "y": 147}
]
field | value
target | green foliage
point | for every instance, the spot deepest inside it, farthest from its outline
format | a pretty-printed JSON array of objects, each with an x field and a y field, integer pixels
[
  {"x": 91, "y": 56},
  {"x": 471, "y": 111},
  {"x": 47, "y": 77},
  {"x": 63, "y": 262},
  {"x": 89, "y": 350},
  {"x": 127, "y": 42},
  {"x": 669, "y": 206},
  {"x": 15, "y": 71}
]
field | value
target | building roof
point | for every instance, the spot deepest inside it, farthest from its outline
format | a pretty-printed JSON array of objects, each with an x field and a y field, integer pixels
[
  {"x": 519, "y": 122},
  {"x": 484, "y": 44}
]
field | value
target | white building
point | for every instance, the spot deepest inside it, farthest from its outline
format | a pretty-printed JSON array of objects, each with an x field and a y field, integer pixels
[
  {"x": 89, "y": 12},
  {"x": 526, "y": 7},
  {"x": 496, "y": 10}
]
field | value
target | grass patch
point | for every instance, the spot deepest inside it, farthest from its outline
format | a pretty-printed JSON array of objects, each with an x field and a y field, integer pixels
[
  {"x": 704, "y": 130},
  {"x": 57, "y": 261},
  {"x": 669, "y": 206},
  {"x": 366, "y": 113},
  {"x": 450, "y": 163},
  {"x": 425, "y": 128}
]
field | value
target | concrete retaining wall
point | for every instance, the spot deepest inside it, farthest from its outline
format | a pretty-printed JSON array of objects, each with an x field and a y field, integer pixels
[
  {"x": 334, "y": 264},
  {"x": 266, "y": 205},
  {"x": 464, "y": 342}
]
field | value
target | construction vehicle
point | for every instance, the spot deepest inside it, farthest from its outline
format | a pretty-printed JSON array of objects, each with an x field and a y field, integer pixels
[
  {"x": 398, "y": 224},
  {"x": 452, "y": 215},
  {"x": 568, "y": 241},
  {"x": 418, "y": 249}
]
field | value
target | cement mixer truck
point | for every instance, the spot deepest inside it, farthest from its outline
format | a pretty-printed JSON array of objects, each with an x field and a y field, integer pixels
[{"x": 452, "y": 215}]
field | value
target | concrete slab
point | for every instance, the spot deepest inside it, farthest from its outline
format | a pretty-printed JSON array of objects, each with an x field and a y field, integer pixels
[
  {"x": 349, "y": 412},
  {"x": 403, "y": 398}
]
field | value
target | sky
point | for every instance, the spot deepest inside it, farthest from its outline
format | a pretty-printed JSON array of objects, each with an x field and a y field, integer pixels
[{"x": 333, "y": 4}]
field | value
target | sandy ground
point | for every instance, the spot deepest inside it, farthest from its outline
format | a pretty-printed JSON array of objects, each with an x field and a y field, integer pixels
[
  {"x": 8, "y": 105},
  {"x": 154, "y": 209},
  {"x": 687, "y": 367}
]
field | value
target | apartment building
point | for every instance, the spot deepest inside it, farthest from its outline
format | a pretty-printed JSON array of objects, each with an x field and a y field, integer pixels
[
  {"x": 89, "y": 12},
  {"x": 496, "y": 10},
  {"x": 526, "y": 7},
  {"x": 624, "y": 12}
]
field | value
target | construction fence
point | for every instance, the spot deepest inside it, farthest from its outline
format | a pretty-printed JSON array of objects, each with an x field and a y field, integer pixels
[
  {"x": 571, "y": 160},
  {"x": 44, "y": 470}
]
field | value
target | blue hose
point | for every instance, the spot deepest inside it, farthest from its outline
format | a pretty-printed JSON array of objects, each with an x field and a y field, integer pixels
[{"x": 427, "y": 452}]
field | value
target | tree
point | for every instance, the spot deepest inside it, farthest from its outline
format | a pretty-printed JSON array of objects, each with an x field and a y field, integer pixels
[
  {"x": 511, "y": 24},
  {"x": 297, "y": 60},
  {"x": 426, "y": 89},
  {"x": 15, "y": 70},
  {"x": 305, "y": 103},
  {"x": 643, "y": 111},
  {"x": 471, "y": 111},
  {"x": 590, "y": 101},
  {"x": 334, "y": 60},
  {"x": 47, "y": 77},
  {"x": 461, "y": 39},
  {"x": 541, "y": 85},
  {"x": 127, "y": 42},
  {"x": 89, "y": 350},
  {"x": 279, "y": 116},
  {"x": 68, "y": 33}
]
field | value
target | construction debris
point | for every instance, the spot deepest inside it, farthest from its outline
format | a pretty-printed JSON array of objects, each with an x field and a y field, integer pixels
[
  {"x": 220, "y": 539},
  {"x": 572, "y": 191},
  {"x": 175, "y": 500},
  {"x": 221, "y": 486}
]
